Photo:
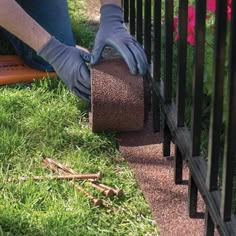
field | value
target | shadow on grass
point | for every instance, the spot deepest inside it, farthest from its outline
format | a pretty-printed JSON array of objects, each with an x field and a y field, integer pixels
[{"x": 13, "y": 224}]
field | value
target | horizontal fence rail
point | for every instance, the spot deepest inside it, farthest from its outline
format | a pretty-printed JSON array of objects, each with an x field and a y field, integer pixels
[{"x": 153, "y": 24}]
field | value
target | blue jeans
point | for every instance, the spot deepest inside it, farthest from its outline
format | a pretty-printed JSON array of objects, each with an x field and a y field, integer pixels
[{"x": 53, "y": 16}]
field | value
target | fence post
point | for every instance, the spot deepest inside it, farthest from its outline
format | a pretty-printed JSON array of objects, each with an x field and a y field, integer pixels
[
  {"x": 156, "y": 63},
  {"x": 230, "y": 137},
  {"x": 126, "y": 10},
  {"x": 132, "y": 19},
  {"x": 217, "y": 106},
  {"x": 199, "y": 51},
  {"x": 168, "y": 70},
  {"x": 181, "y": 83},
  {"x": 147, "y": 30},
  {"x": 139, "y": 21}
]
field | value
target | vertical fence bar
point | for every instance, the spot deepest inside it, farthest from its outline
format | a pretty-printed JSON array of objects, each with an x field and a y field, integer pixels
[
  {"x": 157, "y": 41},
  {"x": 178, "y": 166},
  {"x": 230, "y": 137},
  {"x": 168, "y": 69},
  {"x": 156, "y": 63},
  {"x": 199, "y": 51},
  {"x": 168, "y": 50},
  {"x": 192, "y": 196},
  {"x": 198, "y": 68},
  {"x": 147, "y": 30},
  {"x": 132, "y": 20},
  {"x": 166, "y": 138},
  {"x": 209, "y": 225},
  {"x": 217, "y": 99},
  {"x": 181, "y": 66},
  {"x": 181, "y": 82},
  {"x": 126, "y": 10},
  {"x": 217, "y": 105},
  {"x": 139, "y": 21}
]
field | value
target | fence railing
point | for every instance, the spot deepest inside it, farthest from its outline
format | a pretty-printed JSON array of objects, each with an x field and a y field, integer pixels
[{"x": 148, "y": 23}]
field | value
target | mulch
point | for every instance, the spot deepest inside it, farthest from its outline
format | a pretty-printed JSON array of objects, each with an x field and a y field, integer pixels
[{"x": 154, "y": 174}]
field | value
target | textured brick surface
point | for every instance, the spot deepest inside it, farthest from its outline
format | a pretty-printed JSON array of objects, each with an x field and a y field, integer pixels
[
  {"x": 117, "y": 98},
  {"x": 154, "y": 173}
]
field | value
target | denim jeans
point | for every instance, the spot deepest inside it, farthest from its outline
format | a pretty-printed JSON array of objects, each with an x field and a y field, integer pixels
[{"x": 53, "y": 16}]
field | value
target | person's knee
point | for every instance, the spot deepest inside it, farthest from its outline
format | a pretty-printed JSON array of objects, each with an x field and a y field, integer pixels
[
  {"x": 34, "y": 61},
  {"x": 24, "y": 51}
]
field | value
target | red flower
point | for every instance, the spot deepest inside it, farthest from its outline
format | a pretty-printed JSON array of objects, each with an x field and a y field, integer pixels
[
  {"x": 229, "y": 10},
  {"x": 176, "y": 20},
  {"x": 191, "y": 25},
  {"x": 211, "y": 5}
]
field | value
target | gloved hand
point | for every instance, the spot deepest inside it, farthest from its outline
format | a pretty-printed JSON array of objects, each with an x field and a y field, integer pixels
[
  {"x": 69, "y": 64},
  {"x": 112, "y": 32}
]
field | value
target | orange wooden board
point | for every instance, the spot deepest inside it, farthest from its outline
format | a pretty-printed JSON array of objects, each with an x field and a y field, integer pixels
[{"x": 14, "y": 70}]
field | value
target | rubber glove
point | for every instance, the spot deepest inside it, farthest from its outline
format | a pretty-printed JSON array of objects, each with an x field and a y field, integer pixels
[
  {"x": 112, "y": 32},
  {"x": 69, "y": 64}
]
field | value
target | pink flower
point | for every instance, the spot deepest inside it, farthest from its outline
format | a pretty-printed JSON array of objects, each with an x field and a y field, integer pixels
[
  {"x": 176, "y": 20},
  {"x": 191, "y": 25},
  {"x": 229, "y": 10},
  {"x": 211, "y": 5},
  {"x": 191, "y": 13}
]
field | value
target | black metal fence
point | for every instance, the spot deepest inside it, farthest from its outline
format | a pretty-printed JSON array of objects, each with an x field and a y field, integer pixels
[{"x": 148, "y": 22}]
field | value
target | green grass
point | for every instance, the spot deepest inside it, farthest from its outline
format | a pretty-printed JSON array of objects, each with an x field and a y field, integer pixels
[
  {"x": 83, "y": 34},
  {"x": 44, "y": 118}
]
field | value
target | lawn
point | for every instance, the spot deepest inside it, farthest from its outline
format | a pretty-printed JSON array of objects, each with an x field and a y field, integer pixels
[{"x": 44, "y": 118}]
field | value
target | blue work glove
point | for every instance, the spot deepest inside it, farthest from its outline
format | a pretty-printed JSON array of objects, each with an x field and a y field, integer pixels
[
  {"x": 69, "y": 64},
  {"x": 113, "y": 33}
]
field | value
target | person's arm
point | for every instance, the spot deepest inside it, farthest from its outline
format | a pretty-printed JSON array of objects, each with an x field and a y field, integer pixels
[
  {"x": 15, "y": 20},
  {"x": 68, "y": 62},
  {"x": 116, "y": 2}
]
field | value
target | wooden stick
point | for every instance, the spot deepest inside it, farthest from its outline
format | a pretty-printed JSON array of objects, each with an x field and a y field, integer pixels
[{"x": 96, "y": 201}]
